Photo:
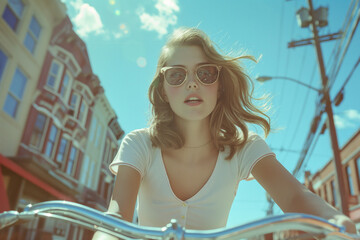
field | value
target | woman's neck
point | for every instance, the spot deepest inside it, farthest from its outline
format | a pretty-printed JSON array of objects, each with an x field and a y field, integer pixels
[{"x": 196, "y": 134}]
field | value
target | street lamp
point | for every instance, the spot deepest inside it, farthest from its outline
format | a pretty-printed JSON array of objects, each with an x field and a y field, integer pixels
[
  {"x": 331, "y": 126},
  {"x": 267, "y": 78}
]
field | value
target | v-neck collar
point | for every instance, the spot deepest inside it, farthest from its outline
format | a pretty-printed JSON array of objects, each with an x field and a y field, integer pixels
[{"x": 203, "y": 188}]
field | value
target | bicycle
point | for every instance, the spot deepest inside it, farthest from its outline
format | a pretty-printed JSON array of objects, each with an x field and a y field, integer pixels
[{"x": 89, "y": 218}]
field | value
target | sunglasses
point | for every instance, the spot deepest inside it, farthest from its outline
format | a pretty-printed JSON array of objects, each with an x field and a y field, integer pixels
[{"x": 207, "y": 74}]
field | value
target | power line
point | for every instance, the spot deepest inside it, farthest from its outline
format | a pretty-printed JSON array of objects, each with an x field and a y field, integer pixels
[
  {"x": 337, "y": 69},
  {"x": 286, "y": 69},
  {"x": 303, "y": 107},
  {"x": 340, "y": 92},
  {"x": 334, "y": 56},
  {"x": 311, "y": 151},
  {"x": 310, "y": 137}
]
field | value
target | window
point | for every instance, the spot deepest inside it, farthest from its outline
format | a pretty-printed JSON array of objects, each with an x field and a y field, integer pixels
[
  {"x": 38, "y": 130},
  {"x": 3, "y": 60},
  {"x": 74, "y": 103},
  {"x": 13, "y": 12},
  {"x": 51, "y": 141},
  {"x": 83, "y": 112},
  {"x": 350, "y": 183},
  {"x": 15, "y": 94},
  {"x": 53, "y": 75},
  {"x": 32, "y": 36},
  {"x": 62, "y": 151},
  {"x": 70, "y": 169},
  {"x": 64, "y": 86},
  {"x": 333, "y": 191}
]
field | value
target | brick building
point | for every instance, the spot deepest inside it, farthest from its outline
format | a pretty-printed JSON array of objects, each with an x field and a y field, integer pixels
[
  {"x": 58, "y": 131},
  {"x": 323, "y": 181}
]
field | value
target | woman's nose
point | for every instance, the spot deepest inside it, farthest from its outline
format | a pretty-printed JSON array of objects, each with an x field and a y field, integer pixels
[{"x": 192, "y": 81}]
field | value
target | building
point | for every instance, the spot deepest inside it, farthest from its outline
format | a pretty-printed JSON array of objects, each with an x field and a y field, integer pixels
[
  {"x": 323, "y": 181},
  {"x": 58, "y": 131}
]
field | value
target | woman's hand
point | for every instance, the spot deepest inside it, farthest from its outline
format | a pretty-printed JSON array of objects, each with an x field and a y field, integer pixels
[{"x": 342, "y": 220}]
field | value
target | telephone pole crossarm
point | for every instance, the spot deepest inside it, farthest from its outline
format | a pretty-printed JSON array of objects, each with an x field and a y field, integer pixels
[{"x": 309, "y": 41}]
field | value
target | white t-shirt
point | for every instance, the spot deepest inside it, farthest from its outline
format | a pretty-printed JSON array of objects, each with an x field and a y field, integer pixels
[{"x": 207, "y": 209}]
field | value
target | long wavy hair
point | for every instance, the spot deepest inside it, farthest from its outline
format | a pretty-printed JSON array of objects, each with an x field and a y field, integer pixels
[{"x": 233, "y": 110}]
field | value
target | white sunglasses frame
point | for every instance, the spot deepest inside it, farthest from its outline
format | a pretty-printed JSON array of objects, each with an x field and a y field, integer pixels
[{"x": 163, "y": 70}]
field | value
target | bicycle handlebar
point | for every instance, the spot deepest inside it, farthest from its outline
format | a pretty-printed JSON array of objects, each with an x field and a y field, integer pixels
[{"x": 99, "y": 221}]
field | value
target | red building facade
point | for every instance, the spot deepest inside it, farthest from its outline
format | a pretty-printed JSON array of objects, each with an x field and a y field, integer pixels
[
  {"x": 53, "y": 160},
  {"x": 323, "y": 181}
]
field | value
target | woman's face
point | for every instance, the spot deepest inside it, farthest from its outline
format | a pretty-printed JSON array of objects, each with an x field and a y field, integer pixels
[{"x": 192, "y": 100}]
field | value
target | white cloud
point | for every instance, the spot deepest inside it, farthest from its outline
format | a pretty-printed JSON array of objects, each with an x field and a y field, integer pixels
[
  {"x": 165, "y": 17},
  {"x": 87, "y": 20},
  {"x": 348, "y": 119},
  {"x": 352, "y": 114},
  {"x": 341, "y": 122},
  {"x": 76, "y": 4}
]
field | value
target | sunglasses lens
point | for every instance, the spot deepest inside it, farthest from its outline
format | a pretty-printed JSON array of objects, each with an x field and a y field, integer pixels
[
  {"x": 207, "y": 74},
  {"x": 175, "y": 76}
]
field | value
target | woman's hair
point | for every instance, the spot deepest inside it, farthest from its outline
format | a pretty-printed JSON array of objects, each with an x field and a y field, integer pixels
[{"x": 233, "y": 110}]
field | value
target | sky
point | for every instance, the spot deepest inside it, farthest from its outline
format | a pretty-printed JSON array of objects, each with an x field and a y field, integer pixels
[{"x": 124, "y": 39}]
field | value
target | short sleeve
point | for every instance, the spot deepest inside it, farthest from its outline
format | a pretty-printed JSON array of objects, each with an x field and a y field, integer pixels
[
  {"x": 254, "y": 150},
  {"x": 134, "y": 152}
]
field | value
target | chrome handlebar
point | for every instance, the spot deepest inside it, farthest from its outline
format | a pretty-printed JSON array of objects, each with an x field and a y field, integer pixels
[{"x": 99, "y": 221}]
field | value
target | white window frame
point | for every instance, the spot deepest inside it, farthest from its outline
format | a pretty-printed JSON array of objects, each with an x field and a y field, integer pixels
[
  {"x": 83, "y": 113},
  {"x": 18, "y": 99},
  {"x": 67, "y": 90},
  {"x": 350, "y": 180},
  {"x": 43, "y": 134},
  {"x": 73, "y": 166},
  {"x": 63, "y": 161},
  {"x": 57, "y": 77},
  {"x": 15, "y": 13},
  {"x": 32, "y": 35},
  {"x": 75, "y": 107},
  {"x": 5, "y": 63},
  {"x": 54, "y": 143}
]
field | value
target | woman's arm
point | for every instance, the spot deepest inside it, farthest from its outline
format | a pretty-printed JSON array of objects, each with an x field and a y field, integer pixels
[
  {"x": 291, "y": 196},
  {"x": 123, "y": 198}
]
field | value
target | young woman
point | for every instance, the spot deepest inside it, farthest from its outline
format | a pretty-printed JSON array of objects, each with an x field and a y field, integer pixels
[{"x": 188, "y": 163}]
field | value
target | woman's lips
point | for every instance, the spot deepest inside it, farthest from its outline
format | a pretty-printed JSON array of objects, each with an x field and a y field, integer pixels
[{"x": 193, "y": 100}]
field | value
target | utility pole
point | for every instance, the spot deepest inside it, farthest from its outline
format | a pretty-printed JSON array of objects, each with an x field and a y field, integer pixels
[
  {"x": 344, "y": 207},
  {"x": 329, "y": 111},
  {"x": 313, "y": 22}
]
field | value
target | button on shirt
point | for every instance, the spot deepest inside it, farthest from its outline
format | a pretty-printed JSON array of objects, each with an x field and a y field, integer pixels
[{"x": 209, "y": 207}]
